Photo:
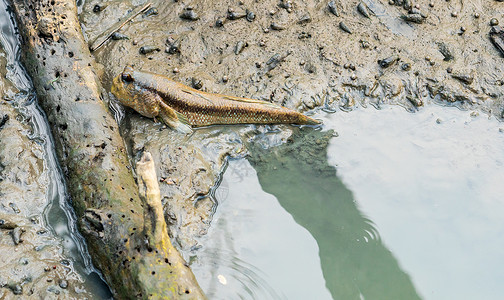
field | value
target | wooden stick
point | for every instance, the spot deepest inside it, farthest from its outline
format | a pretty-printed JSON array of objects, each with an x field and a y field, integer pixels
[{"x": 105, "y": 36}]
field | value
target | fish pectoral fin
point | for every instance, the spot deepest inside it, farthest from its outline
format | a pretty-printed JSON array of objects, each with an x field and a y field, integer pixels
[
  {"x": 174, "y": 119},
  {"x": 198, "y": 94},
  {"x": 255, "y": 101}
]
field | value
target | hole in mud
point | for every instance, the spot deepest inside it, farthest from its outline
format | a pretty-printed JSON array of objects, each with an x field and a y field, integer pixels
[
  {"x": 149, "y": 249},
  {"x": 187, "y": 291},
  {"x": 77, "y": 99},
  {"x": 57, "y": 74},
  {"x": 153, "y": 272},
  {"x": 70, "y": 54},
  {"x": 53, "y": 51},
  {"x": 52, "y": 2},
  {"x": 58, "y": 108},
  {"x": 63, "y": 126},
  {"x": 123, "y": 216},
  {"x": 109, "y": 216}
]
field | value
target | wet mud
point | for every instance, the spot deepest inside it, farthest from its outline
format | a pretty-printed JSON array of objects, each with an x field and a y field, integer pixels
[
  {"x": 303, "y": 55},
  {"x": 33, "y": 263}
]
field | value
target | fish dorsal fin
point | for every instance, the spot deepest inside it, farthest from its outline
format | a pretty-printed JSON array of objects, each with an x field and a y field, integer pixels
[
  {"x": 247, "y": 100},
  {"x": 199, "y": 95}
]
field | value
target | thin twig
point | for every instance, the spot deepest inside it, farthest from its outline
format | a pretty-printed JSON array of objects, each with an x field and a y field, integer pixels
[{"x": 105, "y": 36}]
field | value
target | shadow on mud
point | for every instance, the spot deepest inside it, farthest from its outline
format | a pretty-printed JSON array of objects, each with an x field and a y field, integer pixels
[{"x": 355, "y": 262}]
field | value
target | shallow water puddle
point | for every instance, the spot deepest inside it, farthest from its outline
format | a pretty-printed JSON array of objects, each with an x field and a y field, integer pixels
[
  {"x": 434, "y": 192},
  {"x": 241, "y": 257},
  {"x": 397, "y": 206}
]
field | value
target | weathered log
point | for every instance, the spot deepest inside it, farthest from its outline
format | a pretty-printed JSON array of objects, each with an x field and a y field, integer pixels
[
  {"x": 156, "y": 234},
  {"x": 92, "y": 154}
]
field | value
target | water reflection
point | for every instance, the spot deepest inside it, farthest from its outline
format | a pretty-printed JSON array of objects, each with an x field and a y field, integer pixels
[{"x": 355, "y": 263}]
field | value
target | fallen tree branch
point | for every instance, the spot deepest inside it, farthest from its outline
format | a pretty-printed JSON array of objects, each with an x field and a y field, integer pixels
[{"x": 156, "y": 233}]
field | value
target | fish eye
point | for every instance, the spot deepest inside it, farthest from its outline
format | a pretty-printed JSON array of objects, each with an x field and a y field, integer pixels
[{"x": 126, "y": 77}]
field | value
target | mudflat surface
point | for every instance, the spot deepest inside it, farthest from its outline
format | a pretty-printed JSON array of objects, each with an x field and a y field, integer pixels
[
  {"x": 295, "y": 54},
  {"x": 33, "y": 263}
]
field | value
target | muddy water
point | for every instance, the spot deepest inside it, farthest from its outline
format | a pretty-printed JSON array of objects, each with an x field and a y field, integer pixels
[
  {"x": 58, "y": 216},
  {"x": 393, "y": 206}
]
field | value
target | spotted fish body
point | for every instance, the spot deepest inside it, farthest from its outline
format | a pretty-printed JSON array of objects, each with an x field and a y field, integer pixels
[{"x": 154, "y": 95}]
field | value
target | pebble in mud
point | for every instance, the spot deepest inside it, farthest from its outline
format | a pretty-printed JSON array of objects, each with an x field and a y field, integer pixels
[
  {"x": 196, "y": 83},
  {"x": 344, "y": 27},
  {"x": 239, "y": 47},
  {"x": 219, "y": 22},
  {"x": 63, "y": 284},
  {"x": 148, "y": 49},
  {"x": 97, "y": 8},
  {"x": 406, "y": 67},
  {"x": 119, "y": 36},
  {"x": 304, "y": 19},
  {"x": 286, "y": 4},
  {"x": 233, "y": 15},
  {"x": 363, "y": 10},
  {"x": 16, "y": 289},
  {"x": 172, "y": 47},
  {"x": 151, "y": 12},
  {"x": 387, "y": 62},
  {"x": 333, "y": 9},
  {"x": 250, "y": 16},
  {"x": 276, "y": 26},
  {"x": 189, "y": 14},
  {"x": 413, "y": 18},
  {"x": 494, "y": 22}
]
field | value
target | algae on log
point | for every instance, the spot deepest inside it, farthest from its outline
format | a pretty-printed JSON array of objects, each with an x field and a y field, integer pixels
[{"x": 90, "y": 150}]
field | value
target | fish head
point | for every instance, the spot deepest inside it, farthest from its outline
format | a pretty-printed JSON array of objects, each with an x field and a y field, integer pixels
[{"x": 124, "y": 86}]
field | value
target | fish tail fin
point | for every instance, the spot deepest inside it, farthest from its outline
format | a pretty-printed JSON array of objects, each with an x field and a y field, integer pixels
[{"x": 174, "y": 119}]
